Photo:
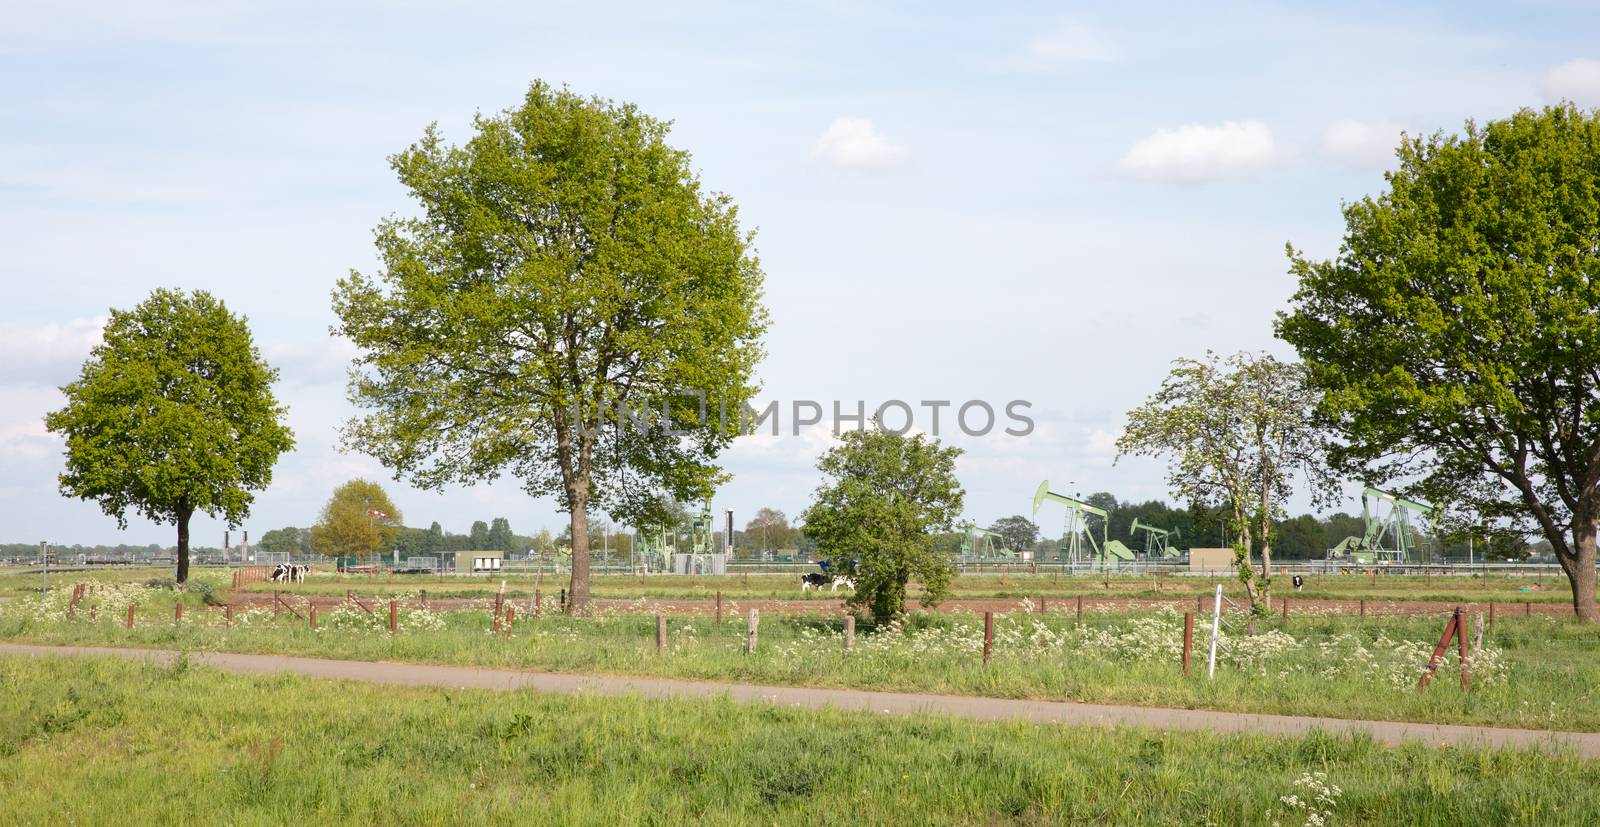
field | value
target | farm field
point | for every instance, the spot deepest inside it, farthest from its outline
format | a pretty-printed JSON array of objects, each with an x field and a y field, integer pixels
[
  {"x": 1535, "y": 672},
  {"x": 1552, "y": 590},
  {"x": 90, "y": 740}
]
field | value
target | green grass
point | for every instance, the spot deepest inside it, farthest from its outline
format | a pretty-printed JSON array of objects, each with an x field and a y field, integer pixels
[
  {"x": 1550, "y": 675},
  {"x": 97, "y": 741},
  {"x": 1452, "y": 589}
]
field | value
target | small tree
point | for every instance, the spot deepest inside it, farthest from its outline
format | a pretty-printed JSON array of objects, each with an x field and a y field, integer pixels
[
  {"x": 359, "y": 520},
  {"x": 1237, "y": 432},
  {"x": 172, "y": 414},
  {"x": 280, "y": 540},
  {"x": 1019, "y": 531},
  {"x": 885, "y": 497},
  {"x": 768, "y": 529},
  {"x": 1457, "y": 333}
]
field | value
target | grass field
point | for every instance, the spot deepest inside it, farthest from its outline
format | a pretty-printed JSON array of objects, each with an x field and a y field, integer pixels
[
  {"x": 1452, "y": 589},
  {"x": 96, "y": 741},
  {"x": 1536, "y": 672}
]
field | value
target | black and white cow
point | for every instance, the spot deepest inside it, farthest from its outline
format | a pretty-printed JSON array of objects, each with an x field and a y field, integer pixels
[
  {"x": 814, "y": 580},
  {"x": 289, "y": 573},
  {"x": 1299, "y": 582},
  {"x": 847, "y": 582}
]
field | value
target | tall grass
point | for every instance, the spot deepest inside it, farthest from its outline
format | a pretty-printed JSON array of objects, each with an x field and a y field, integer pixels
[
  {"x": 1533, "y": 672},
  {"x": 93, "y": 741}
]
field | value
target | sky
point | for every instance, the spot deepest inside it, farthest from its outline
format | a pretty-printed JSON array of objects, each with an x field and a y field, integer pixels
[{"x": 1040, "y": 202}]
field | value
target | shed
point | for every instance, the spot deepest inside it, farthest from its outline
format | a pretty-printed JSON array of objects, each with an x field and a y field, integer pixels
[
  {"x": 1211, "y": 559},
  {"x": 479, "y": 562}
]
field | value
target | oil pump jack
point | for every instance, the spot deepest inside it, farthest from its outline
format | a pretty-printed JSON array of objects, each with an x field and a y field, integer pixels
[
  {"x": 1157, "y": 541},
  {"x": 1077, "y": 529},
  {"x": 1381, "y": 527}
]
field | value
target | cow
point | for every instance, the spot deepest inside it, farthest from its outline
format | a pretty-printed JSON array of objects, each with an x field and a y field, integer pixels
[
  {"x": 847, "y": 582},
  {"x": 289, "y": 573},
  {"x": 1299, "y": 582},
  {"x": 814, "y": 580}
]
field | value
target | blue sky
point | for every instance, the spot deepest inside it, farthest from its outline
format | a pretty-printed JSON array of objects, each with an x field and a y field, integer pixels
[{"x": 1041, "y": 202}]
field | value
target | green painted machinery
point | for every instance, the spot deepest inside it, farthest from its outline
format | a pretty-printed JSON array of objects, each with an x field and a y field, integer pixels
[
  {"x": 1389, "y": 536},
  {"x": 1158, "y": 542},
  {"x": 1077, "y": 539},
  {"x": 982, "y": 544}
]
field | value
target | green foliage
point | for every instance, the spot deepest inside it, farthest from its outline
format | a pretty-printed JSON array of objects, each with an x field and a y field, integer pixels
[
  {"x": 884, "y": 498},
  {"x": 280, "y": 540},
  {"x": 347, "y": 525},
  {"x": 565, "y": 262},
  {"x": 172, "y": 414},
  {"x": 1238, "y": 432},
  {"x": 769, "y": 529},
  {"x": 1019, "y": 531},
  {"x": 1455, "y": 336}
]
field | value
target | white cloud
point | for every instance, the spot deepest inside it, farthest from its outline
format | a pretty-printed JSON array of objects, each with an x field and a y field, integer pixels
[
  {"x": 48, "y": 352},
  {"x": 1364, "y": 145},
  {"x": 1196, "y": 152},
  {"x": 1576, "y": 80},
  {"x": 1069, "y": 41},
  {"x": 855, "y": 144}
]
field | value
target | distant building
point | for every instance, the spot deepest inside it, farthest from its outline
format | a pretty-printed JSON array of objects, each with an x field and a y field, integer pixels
[{"x": 479, "y": 562}]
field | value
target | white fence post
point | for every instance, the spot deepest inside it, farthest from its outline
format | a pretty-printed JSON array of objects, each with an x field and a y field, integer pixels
[{"x": 1216, "y": 622}]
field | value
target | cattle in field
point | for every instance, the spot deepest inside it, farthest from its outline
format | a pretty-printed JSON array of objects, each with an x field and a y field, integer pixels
[
  {"x": 289, "y": 573},
  {"x": 1299, "y": 582},
  {"x": 847, "y": 582},
  {"x": 813, "y": 580}
]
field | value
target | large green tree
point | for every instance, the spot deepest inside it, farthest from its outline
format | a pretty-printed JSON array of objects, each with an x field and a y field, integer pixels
[
  {"x": 1237, "y": 432},
  {"x": 566, "y": 264},
  {"x": 1019, "y": 532},
  {"x": 358, "y": 520},
  {"x": 884, "y": 499},
  {"x": 172, "y": 414},
  {"x": 1456, "y": 336}
]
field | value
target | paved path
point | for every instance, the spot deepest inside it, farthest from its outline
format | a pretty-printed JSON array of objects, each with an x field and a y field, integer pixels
[{"x": 1586, "y": 744}]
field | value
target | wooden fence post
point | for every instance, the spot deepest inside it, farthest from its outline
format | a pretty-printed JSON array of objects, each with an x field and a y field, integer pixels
[
  {"x": 661, "y": 633},
  {"x": 1363, "y": 607},
  {"x": 394, "y": 618},
  {"x": 177, "y": 613},
  {"x": 537, "y": 609},
  {"x": 1463, "y": 659},
  {"x": 988, "y": 636},
  {"x": 1041, "y": 604},
  {"x": 227, "y": 612},
  {"x": 424, "y": 598},
  {"x": 752, "y": 624},
  {"x": 1200, "y": 603},
  {"x": 1188, "y": 639},
  {"x": 1285, "y": 610},
  {"x": 129, "y": 623},
  {"x": 511, "y": 613},
  {"x": 1491, "y": 615},
  {"x": 849, "y": 633},
  {"x": 312, "y": 616},
  {"x": 1527, "y": 609},
  {"x": 1080, "y": 610}
]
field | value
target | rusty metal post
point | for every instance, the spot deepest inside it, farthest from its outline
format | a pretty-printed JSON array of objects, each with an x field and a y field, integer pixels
[
  {"x": 988, "y": 636},
  {"x": 394, "y": 618},
  {"x": 129, "y": 623},
  {"x": 1188, "y": 639},
  {"x": 1491, "y": 615},
  {"x": 849, "y": 633},
  {"x": 1450, "y": 628}
]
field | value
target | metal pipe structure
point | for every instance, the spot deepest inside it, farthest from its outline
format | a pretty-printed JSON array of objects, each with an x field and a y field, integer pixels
[{"x": 1077, "y": 524}]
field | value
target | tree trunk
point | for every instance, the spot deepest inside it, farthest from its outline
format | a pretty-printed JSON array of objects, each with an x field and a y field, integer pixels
[
  {"x": 1580, "y": 569},
  {"x": 1266, "y": 576},
  {"x": 578, "y": 590},
  {"x": 183, "y": 545}
]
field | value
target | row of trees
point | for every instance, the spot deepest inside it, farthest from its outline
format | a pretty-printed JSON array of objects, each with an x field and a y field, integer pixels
[{"x": 566, "y": 267}]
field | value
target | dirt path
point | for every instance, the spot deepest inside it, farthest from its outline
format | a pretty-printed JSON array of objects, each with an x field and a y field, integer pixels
[{"x": 1586, "y": 744}]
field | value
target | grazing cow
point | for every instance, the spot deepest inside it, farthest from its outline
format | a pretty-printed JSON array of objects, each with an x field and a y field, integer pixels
[
  {"x": 813, "y": 580},
  {"x": 847, "y": 582},
  {"x": 1299, "y": 582},
  {"x": 289, "y": 573},
  {"x": 280, "y": 573}
]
